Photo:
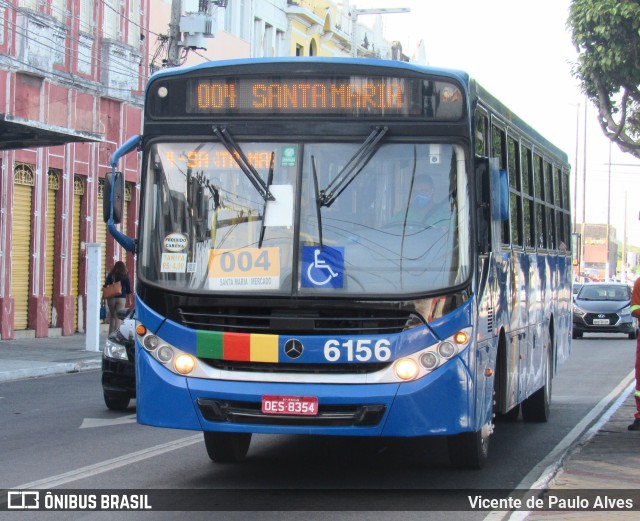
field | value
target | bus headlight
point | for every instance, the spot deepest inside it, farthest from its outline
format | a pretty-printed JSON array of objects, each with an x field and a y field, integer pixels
[
  {"x": 184, "y": 363},
  {"x": 165, "y": 354},
  {"x": 151, "y": 342},
  {"x": 429, "y": 360},
  {"x": 406, "y": 369},
  {"x": 171, "y": 357},
  {"x": 446, "y": 350},
  {"x": 420, "y": 363}
]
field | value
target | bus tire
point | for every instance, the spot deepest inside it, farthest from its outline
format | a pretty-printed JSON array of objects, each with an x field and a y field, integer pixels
[
  {"x": 469, "y": 450},
  {"x": 227, "y": 447},
  {"x": 537, "y": 408},
  {"x": 498, "y": 384}
]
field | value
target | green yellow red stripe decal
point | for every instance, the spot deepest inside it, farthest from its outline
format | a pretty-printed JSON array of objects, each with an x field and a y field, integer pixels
[{"x": 237, "y": 346}]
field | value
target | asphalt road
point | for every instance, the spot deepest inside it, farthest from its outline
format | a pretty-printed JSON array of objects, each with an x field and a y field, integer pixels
[{"x": 55, "y": 432}]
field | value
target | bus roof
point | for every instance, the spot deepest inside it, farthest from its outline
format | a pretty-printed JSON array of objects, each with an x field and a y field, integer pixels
[
  {"x": 531, "y": 134},
  {"x": 461, "y": 76}
]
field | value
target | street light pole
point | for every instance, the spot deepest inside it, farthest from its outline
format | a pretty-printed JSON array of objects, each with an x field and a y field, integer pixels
[
  {"x": 357, "y": 12},
  {"x": 624, "y": 242},
  {"x": 575, "y": 172},
  {"x": 584, "y": 188},
  {"x": 608, "y": 263}
]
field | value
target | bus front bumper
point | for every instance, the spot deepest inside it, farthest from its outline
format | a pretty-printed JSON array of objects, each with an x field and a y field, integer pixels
[{"x": 436, "y": 404}]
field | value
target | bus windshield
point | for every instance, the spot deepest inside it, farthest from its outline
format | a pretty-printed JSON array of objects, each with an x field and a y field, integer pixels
[{"x": 318, "y": 218}]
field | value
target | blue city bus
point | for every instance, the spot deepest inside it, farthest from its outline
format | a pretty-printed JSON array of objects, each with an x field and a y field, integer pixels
[{"x": 344, "y": 247}]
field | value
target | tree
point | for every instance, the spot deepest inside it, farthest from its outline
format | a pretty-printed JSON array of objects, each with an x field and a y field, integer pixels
[{"x": 606, "y": 34}]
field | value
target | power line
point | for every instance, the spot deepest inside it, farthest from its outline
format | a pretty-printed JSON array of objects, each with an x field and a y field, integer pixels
[
  {"x": 69, "y": 36},
  {"x": 49, "y": 43}
]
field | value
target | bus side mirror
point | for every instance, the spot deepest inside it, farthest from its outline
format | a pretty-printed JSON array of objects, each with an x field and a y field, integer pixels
[{"x": 113, "y": 183}]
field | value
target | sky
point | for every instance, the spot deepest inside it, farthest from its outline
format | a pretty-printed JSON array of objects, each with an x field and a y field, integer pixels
[{"x": 521, "y": 51}]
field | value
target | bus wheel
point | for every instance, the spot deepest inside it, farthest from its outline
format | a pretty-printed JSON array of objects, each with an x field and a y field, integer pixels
[
  {"x": 469, "y": 450},
  {"x": 536, "y": 408},
  {"x": 227, "y": 447}
]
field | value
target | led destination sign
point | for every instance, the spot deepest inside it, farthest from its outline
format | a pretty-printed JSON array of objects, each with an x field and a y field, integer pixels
[
  {"x": 290, "y": 95},
  {"x": 345, "y": 96}
]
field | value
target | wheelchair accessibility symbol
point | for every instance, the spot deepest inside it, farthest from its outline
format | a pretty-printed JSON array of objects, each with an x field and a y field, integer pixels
[{"x": 322, "y": 267}]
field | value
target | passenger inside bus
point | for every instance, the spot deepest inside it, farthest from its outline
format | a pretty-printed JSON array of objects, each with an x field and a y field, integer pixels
[{"x": 424, "y": 207}]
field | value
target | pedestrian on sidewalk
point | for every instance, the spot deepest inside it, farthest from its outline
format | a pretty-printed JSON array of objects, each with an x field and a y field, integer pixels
[
  {"x": 635, "y": 311},
  {"x": 118, "y": 273}
]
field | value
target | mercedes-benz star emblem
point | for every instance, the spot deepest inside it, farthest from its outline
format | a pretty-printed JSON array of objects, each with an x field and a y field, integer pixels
[{"x": 293, "y": 348}]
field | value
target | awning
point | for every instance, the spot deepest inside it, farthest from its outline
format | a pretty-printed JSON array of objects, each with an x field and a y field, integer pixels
[{"x": 18, "y": 132}]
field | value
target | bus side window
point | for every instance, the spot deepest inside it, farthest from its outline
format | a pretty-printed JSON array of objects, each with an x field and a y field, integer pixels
[{"x": 483, "y": 190}]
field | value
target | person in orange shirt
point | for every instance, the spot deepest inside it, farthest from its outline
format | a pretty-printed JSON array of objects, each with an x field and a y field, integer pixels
[{"x": 635, "y": 311}]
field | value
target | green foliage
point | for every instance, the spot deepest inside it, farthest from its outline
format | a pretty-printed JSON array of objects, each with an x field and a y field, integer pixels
[{"x": 606, "y": 34}]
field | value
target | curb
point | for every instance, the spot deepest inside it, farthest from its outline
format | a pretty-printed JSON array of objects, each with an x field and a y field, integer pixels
[{"x": 52, "y": 369}]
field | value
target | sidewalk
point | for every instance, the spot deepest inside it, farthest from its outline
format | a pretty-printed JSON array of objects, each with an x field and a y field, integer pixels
[
  {"x": 606, "y": 460},
  {"x": 33, "y": 357}
]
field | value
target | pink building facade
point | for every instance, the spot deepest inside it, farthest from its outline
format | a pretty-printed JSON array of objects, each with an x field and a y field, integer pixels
[{"x": 75, "y": 69}]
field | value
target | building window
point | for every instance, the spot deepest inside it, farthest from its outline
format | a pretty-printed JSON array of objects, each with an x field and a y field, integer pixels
[
  {"x": 280, "y": 50},
  {"x": 85, "y": 48},
  {"x": 228, "y": 17},
  {"x": 23, "y": 174},
  {"x": 258, "y": 37},
  {"x": 59, "y": 10},
  {"x": 134, "y": 30},
  {"x": 244, "y": 29},
  {"x": 110, "y": 26},
  {"x": 29, "y": 4},
  {"x": 86, "y": 16},
  {"x": 267, "y": 41},
  {"x": 299, "y": 50}
]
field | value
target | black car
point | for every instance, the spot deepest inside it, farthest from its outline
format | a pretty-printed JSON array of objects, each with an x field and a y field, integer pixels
[
  {"x": 603, "y": 307},
  {"x": 118, "y": 364}
]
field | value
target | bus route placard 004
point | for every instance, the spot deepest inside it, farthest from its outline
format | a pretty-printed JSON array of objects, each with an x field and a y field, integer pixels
[{"x": 244, "y": 269}]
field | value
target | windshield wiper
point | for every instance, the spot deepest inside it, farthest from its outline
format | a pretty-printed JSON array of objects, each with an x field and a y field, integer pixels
[
  {"x": 318, "y": 198},
  {"x": 241, "y": 159},
  {"x": 264, "y": 212},
  {"x": 354, "y": 166}
]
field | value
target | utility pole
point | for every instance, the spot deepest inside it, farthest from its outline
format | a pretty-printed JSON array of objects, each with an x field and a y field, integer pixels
[
  {"x": 354, "y": 18},
  {"x": 174, "y": 51},
  {"x": 190, "y": 30}
]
